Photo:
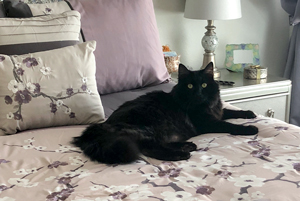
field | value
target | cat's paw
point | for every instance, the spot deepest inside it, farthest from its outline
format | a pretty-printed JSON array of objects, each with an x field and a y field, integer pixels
[
  {"x": 189, "y": 147},
  {"x": 249, "y": 114},
  {"x": 245, "y": 130},
  {"x": 182, "y": 156}
]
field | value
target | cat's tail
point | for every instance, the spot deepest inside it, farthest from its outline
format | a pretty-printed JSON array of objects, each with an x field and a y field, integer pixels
[{"x": 106, "y": 144}]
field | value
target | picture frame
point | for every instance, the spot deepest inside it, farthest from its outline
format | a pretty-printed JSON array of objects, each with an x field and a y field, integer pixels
[{"x": 250, "y": 52}]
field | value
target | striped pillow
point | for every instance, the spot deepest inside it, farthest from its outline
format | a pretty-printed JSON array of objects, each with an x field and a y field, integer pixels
[{"x": 28, "y": 35}]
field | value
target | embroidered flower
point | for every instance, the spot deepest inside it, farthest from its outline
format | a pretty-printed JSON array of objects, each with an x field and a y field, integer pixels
[
  {"x": 53, "y": 107},
  {"x": 28, "y": 146},
  {"x": 69, "y": 91},
  {"x": 204, "y": 190},
  {"x": 3, "y": 161},
  {"x": 15, "y": 86},
  {"x": 278, "y": 167},
  {"x": 89, "y": 91},
  {"x": 59, "y": 103},
  {"x": 56, "y": 164},
  {"x": 22, "y": 97},
  {"x": 257, "y": 195},
  {"x": 261, "y": 152},
  {"x": 10, "y": 115},
  {"x": 118, "y": 195},
  {"x": 48, "y": 10},
  {"x": 246, "y": 180},
  {"x": 172, "y": 172},
  {"x": 40, "y": 148},
  {"x": 37, "y": 89},
  {"x": 29, "y": 141},
  {"x": 61, "y": 195},
  {"x": 84, "y": 79},
  {"x": 20, "y": 172},
  {"x": 46, "y": 70},
  {"x": 20, "y": 71},
  {"x": 2, "y": 58},
  {"x": 72, "y": 115},
  {"x": 30, "y": 62},
  {"x": 18, "y": 65},
  {"x": 68, "y": 110},
  {"x": 3, "y": 188},
  {"x": 30, "y": 87},
  {"x": 84, "y": 87},
  {"x": 8, "y": 100},
  {"x": 296, "y": 166},
  {"x": 224, "y": 174},
  {"x": 17, "y": 116}
]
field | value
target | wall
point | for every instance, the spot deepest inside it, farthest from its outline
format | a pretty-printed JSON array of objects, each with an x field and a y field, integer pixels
[{"x": 263, "y": 22}]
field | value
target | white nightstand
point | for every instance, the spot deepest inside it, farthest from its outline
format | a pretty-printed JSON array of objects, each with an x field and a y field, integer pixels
[{"x": 268, "y": 97}]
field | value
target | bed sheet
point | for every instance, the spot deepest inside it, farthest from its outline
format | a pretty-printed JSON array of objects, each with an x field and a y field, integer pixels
[{"x": 42, "y": 165}]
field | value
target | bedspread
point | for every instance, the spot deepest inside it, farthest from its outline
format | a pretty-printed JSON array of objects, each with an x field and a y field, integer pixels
[{"x": 42, "y": 165}]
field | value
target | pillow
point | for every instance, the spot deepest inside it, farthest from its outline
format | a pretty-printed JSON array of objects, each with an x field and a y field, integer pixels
[
  {"x": 24, "y": 35},
  {"x": 37, "y": 9},
  {"x": 16, "y": 8},
  {"x": 50, "y": 88},
  {"x": 129, "y": 54}
]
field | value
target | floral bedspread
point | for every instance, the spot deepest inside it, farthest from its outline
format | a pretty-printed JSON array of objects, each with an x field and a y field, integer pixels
[{"x": 42, "y": 165}]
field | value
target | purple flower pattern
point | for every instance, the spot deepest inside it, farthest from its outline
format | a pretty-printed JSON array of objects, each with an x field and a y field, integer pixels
[
  {"x": 30, "y": 62},
  {"x": 118, "y": 195},
  {"x": 2, "y": 58},
  {"x": 56, "y": 164},
  {"x": 261, "y": 152},
  {"x": 204, "y": 190},
  {"x": 37, "y": 89},
  {"x": 172, "y": 172},
  {"x": 20, "y": 71},
  {"x": 3, "y": 161},
  {"x": 61, "y": 195},
  {"x": 69, "y": 91},
  {"x": 23, "y": 93},
  {"x": 296, "y": 166},
  {"x": 22, "y": 97},
  {"x": 8, "y": 100}
]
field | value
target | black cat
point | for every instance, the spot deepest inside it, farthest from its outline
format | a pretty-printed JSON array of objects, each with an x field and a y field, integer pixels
[{"x": 158, "y": 124}]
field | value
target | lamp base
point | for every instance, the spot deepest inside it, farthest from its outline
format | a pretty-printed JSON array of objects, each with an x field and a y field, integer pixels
[
  {"x": 217, "y": 73},
  {"x": 210, "y": 57},
  {"x": 209, "y": 43}
]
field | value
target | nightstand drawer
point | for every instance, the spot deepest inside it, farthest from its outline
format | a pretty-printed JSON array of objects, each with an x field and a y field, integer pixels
[{"x": 271, "y": 106}]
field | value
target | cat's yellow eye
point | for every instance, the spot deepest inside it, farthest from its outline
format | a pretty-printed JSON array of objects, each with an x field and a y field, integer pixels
[
  {"x": 204, "y": 85},
  {"x": 190, "y": 86}
]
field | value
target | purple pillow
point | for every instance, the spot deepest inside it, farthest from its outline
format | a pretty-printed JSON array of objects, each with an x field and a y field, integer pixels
[{"x": 129, "y": 54}]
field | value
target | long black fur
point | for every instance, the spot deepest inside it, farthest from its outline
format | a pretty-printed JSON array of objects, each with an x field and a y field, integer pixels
[{"x": 158, "y": 124}]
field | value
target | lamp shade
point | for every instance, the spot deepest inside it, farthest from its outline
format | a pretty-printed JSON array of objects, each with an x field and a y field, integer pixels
[{"x": 213, "y": 9}]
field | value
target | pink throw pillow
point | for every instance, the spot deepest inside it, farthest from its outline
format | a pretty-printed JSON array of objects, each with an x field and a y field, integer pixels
[{"x": 129, "y": 54}]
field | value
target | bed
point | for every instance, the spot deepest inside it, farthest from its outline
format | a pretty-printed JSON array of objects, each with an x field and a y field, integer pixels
[{"x": 49, "y": 94}]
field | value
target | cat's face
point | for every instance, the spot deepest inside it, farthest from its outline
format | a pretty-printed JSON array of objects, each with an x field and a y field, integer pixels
[{"x": 198, "y": 86}]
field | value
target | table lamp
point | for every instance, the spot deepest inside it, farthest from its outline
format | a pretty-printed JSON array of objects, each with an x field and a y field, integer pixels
[{"x": 211, "y": 10}]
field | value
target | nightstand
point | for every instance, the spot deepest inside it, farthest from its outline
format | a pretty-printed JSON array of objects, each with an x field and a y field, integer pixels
[{"x": 269, "y": 97}]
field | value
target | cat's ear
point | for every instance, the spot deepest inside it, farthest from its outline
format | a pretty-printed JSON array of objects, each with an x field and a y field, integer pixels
[
  {"x": 182, "y": 70},
  {"x": 209, "y": 69}
]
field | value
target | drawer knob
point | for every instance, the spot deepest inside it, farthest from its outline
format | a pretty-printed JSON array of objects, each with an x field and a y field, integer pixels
[{"x": 271, "y": 113}]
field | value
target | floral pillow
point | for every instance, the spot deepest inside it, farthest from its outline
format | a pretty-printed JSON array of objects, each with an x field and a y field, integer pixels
[{"x": 50, "y": 88}]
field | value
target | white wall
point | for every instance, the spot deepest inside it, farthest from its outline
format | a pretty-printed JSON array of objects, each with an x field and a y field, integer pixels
[{"x": 263, "y": 22}]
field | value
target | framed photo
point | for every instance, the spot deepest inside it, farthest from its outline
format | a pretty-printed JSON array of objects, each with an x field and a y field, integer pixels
[{"x": 239, "y": 56}]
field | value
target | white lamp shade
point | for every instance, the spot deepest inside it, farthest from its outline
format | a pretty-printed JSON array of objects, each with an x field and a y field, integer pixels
[{"x": 213, "y": 9}]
